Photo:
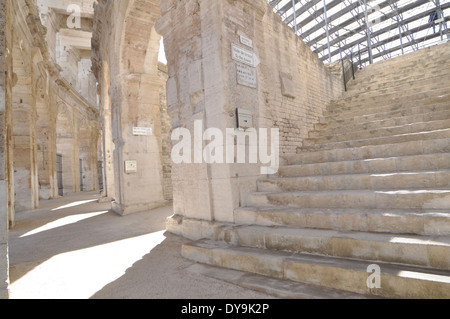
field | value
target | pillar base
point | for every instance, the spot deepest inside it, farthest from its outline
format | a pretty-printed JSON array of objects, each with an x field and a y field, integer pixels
[
  {"x": 124, "y": 210},
  {"x": 193, "y": 229}
]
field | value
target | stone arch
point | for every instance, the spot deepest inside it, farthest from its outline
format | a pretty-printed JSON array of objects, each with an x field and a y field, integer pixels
[{"x": 136, "y": 104}]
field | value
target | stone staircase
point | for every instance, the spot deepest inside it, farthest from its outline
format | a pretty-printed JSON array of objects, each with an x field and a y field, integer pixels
[{"x": 370, "y": 186}]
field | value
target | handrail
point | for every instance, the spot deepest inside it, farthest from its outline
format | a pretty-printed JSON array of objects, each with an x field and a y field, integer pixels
[{"x": 344, "y": 69}]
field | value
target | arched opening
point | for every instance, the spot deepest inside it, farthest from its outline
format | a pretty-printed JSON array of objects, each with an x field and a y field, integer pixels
[{"x": 133, "y": 104}]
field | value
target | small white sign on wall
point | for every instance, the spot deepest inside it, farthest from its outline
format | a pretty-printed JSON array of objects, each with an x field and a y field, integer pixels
[
  {"x": 246, "y": 41},
  {"x": 131, "y": 167},
  {"x": 142, "y": 131}
]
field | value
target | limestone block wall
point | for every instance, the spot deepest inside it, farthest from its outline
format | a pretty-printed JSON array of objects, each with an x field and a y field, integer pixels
[
  {"x": 288, "y": 88},
  {"x": 295, "y": 86}
]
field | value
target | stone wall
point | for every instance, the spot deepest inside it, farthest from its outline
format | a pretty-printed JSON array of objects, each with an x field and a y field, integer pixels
[
  {"x": 291, "y": 92},
  {"x": 295, "y": 86}
]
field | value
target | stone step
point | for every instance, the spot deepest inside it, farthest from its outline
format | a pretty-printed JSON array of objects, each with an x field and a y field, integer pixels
[
  {"x": 371, "y": 79},
  {"x": 340, "y": 126},
  {"x": 373, "y": 166},
  {"x": 391, "y": 98},
  {"x": 374, "y": 89},
  {"x": 418, "y": 147},
  {"x": 420, "y": 100},
  {"x": 358, "y": 199},
  {"x": 400, "y": 180},
  {"x": 334, "y": 136},
  {"x": 310, "y": 145},
  {"x": 341, "y": 119},
  {"x": 397, "y": 281},
  {"x": 371, "y": 83},
  {"x": 395, "y": 221},
  {"x": 426, "y": 251},
  {"x": 278, "y": 288},
  {"x": 422, "y": 65},
  {"x": 422, "y": 59}
]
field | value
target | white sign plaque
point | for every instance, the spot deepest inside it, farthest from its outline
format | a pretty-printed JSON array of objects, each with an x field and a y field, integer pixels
[
  {"x": 246, "y": 41},
  {"x": 242, "y": 55},
  {"x": 246, "y": 75},
  {"x": 142, "y": 131},
  {"x": 130, "y": 167}
]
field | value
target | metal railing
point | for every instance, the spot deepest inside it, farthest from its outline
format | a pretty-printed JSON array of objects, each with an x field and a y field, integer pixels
[{"x": 346, "y": 69}]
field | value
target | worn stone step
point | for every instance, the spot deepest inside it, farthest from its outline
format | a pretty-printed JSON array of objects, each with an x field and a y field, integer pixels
[
  {"x": 420, "y": 85},
  {"x": 392, "y": 98},
  {"x": 276, "y": 287},
  {"x": 311, "y": 145},
  {"x": 355, "y": 109},
  {"x": 347, "y": 119},
  {"x": 422, "y": 59},
  {"x": 372, "y": 84},
  {"x": 373, "y": 166},
  {"x": 368, "y": 78},
  {"x": 332, "y": 136},
  {"x": 417, "y": 147},
  {"x": 364, "y": 199},
  {"x": 397, "y": 281},
  {"x": 341, "y": 126},
  {"x": 426, "y": 251},
  {"x": 424, "y": 66},
  {"x": 396, "y": 221},
  {"x": 400, "y": 180}
]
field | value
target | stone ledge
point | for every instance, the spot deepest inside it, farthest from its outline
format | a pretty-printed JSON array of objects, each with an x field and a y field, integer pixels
[{"x": 193, "y": 229}]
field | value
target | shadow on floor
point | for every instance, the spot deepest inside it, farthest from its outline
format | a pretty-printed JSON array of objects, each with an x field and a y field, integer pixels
[{"x": 83, "y": 250}]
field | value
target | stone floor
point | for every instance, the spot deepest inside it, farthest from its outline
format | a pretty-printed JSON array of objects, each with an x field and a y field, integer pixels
[{"x": 76, "y": 248}]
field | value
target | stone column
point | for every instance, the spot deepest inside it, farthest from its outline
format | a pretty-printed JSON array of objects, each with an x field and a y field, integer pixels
[
  {"x": 46, "y": 136},
  {"x": 136, "y": 130},
  {"x": 88, "y": 141},
  {"x": 24, "y": 130},
  {"x": 6, "y": 205},
  {"x": 108, "y": 145},
  {"x": 202, "y": 86},
  {"x": 67, "y": 146}
]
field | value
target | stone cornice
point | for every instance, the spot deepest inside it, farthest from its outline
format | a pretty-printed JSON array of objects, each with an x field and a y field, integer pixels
[{"x": 86, "y": 106}]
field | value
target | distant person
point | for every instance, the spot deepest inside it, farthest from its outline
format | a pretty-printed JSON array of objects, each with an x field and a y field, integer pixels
[{"x": 433, "y": 17}]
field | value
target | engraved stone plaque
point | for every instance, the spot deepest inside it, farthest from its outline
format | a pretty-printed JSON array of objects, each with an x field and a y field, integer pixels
[
  {"x": 246, "y": 76},
  {"x": 242, "y": 55}
]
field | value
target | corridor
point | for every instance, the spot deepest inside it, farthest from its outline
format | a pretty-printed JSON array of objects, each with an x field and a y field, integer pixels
[{"x": 76, "y": 248}]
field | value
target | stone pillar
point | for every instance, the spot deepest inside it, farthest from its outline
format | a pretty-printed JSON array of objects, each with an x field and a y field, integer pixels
[
  {"x": 137, "y": 137},
  {"x": 5, "y": 144},
  {"x": 108, "y": 145},
  {"x": 24, "y": 131},
  {"x": 68, "y": 147},
  {"x": 88, "y": 141},
  {"x": 202, "y": 86},
  {"x": 46, "y": 137}
]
